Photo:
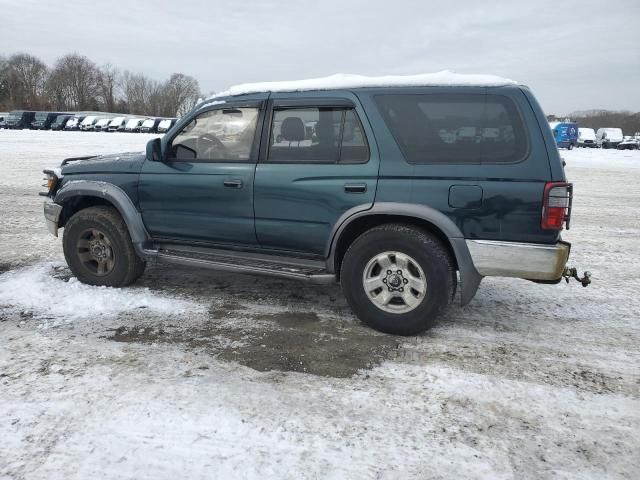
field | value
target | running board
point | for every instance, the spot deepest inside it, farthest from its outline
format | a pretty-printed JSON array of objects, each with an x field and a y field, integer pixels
[{"x": 313, "y": 272}]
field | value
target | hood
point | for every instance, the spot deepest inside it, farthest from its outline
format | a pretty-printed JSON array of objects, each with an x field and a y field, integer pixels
[{"x": 130, "y": 162}]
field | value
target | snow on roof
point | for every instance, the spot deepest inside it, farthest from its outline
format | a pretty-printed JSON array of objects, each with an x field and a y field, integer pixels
[{"x": 344, "y": 81}]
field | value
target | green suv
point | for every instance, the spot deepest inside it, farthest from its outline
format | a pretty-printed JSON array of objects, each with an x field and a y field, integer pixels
[{"x": 403, "y": 189}]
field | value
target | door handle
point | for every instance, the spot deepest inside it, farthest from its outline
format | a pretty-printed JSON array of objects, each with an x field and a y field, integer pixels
[
  {"x": 232, "y": 183},
  {"x": 355, "y": 187}
]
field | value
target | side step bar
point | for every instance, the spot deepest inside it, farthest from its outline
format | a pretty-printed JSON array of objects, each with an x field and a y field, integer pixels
[{"x": 313, "y": 272}]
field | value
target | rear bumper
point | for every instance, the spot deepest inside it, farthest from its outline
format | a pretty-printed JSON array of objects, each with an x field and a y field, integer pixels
[
  {"x": 531, "y": 261},
  {"x": 51, "y": 216}
]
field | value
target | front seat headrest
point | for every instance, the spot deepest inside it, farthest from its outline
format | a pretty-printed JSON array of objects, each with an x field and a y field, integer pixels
[{"x": 292, "y": 129}]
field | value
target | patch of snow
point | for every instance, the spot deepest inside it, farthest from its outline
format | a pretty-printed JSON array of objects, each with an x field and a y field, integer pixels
[
  {"x": 36, "y": 291},
  {"x": 343, "y": 81},
  {"x": 210, "y": 103}
]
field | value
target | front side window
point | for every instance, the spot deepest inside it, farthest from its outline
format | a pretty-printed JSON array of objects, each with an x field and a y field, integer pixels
[
  {"x": 455, "y": 128},
  {"x": 217, "y": 135},
  {"x": 317, "y": 135}
]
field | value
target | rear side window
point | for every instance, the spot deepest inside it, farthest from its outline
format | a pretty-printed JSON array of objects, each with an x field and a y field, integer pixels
[
  {"x": 317, "y": 135},
  {"x": 455, "y": 128}
]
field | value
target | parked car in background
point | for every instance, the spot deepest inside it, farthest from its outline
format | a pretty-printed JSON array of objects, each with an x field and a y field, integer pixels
[
  {"x": 373, "y": 196},
  {"x": 165, "y": 125},
  {"x": 19, "y": 119},
  {"x": 3, "y": 123},
  {"x": 61, "y": 121},
  {"x": 565, "y": 134},
  {"x": 133, "y": 124},
  {"x": 43, "y": 120},
  {"x": 102, "y": 124},
  {"x": 88, "y": 123},
  {"x": 150, "y": 125},
  {"x": 629, "y": 143},
  {"x": 74, "y": 122},
  {"x": 587, "y": 138},
  {"x": 609, "y": 137},
  {"x": 117, "y": 124}
]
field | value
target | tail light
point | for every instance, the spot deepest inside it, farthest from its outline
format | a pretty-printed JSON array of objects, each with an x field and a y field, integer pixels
[{"x": 556, "y": 205}]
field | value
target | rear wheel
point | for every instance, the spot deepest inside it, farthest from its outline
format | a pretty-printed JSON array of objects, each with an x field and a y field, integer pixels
[
  {"x": 398, "y": 279},
  {"x": 98, "y": 248}
]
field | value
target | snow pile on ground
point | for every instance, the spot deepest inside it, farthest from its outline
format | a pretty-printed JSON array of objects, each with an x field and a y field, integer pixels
[
  {"x": 35, "y": 291},
  {"x": 600, "y": 159},
  {"x": 342, "y": 80}
]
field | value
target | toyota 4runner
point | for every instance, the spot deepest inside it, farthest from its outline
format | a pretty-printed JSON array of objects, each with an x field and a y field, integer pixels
[{"x": 403, "y": 189}]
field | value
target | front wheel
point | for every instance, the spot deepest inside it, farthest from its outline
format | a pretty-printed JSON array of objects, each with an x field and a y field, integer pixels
[
  {"x": 98, "y": 248},
  {"x": 570, "y": 147},
  {"x": 398, "y": 279}
]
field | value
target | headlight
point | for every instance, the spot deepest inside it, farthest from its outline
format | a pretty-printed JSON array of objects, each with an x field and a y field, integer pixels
[{"x": 51, "y": 180}]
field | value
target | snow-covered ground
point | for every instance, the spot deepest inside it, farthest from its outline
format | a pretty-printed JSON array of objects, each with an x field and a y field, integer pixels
[{"x": 197, "y": 374}]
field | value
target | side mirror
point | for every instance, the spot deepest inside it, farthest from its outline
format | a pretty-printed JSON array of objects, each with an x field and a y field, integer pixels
[{"x": 154, "y": 150}]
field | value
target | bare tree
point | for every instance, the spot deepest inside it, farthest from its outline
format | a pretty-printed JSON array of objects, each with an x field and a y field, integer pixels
[
  {"x": 77, "y": 76},
  {"x": 107, "y": 86},
  {"x": 4, "y": 84},
  {"x": 181, "y": 93},
  {"x": 137, "y": 89},
  {"x": 58, "y": 91},
  {"x": 26, "y": 77}
]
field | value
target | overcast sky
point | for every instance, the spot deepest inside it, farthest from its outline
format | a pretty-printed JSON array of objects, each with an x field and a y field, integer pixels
[{"x": 575, "y": 55}]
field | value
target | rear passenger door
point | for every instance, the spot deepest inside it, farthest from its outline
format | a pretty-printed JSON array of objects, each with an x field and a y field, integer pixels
[{"x": 318, "y": 159}]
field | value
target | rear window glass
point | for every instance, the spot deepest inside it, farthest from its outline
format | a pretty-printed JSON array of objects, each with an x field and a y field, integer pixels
[{"x": 455, "y": 128}]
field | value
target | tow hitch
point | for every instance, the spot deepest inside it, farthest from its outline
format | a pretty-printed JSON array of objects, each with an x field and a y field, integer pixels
[{"x": 570, "y": 273}]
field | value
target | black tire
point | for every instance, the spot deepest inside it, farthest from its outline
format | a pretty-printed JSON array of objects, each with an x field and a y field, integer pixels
[
  {"x": 427, "y": 251},
  {"x": 570, "y": 147},
  {"x": 125, "y": 265}
]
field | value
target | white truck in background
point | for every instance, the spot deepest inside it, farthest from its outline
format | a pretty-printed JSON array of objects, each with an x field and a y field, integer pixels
[
  {"x": 587, "y": 138},
  {"x": 609, "y": 137}
]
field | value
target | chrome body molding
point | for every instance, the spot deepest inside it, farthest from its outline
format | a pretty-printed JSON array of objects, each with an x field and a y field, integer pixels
[
  {"x": 532, "y": 261},
  {"x": 52, "y": 213}
]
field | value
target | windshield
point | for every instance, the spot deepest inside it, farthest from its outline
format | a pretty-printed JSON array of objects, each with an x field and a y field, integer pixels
[
  {"x": 104, "y": 121},
  {"x": 88, "y": 120},
  {"x": 41, "y": 115},
  {"x": 132, "y": 123},
  {"x": 60, "y": 118},
  {"x": 117, "y": 121},
  {"x": 164, "y": 124},
  {"x": 148, "y": 123},
  {"x": 15, "y": 115}
]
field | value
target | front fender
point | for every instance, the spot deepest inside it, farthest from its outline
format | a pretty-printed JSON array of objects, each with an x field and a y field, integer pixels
[
  {"x": 118, "y": 198},
  {"x": 469, "y": 277}
]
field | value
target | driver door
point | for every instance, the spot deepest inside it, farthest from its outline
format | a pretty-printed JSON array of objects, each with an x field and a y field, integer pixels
[{"x": 203, "y": 192}]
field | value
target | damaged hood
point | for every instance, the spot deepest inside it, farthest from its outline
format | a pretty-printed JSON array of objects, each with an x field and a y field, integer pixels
[{"x": 130, "y": 162}]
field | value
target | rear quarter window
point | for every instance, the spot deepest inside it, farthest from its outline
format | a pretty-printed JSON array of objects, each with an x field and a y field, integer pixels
[{"x": 455, "y": 128}]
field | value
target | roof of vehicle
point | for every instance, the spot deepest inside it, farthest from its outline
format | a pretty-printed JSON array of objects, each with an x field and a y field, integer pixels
[
  {"x": 341, "y": 81},
  {"x": 553, "y": 125}
]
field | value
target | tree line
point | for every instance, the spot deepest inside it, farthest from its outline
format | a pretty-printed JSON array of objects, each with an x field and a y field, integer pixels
[
  {"x": 629, "y": 122},
  {"x": 76, "y": 83}
]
